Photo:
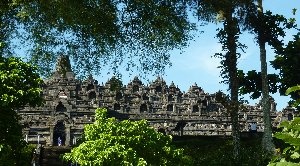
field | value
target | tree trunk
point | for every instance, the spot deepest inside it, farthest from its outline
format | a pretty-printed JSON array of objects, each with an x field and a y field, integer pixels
[
  {"x": 2, "y": 41},
  {"x": 232, "y": 31},
  {"x": 267, "y": 142}
]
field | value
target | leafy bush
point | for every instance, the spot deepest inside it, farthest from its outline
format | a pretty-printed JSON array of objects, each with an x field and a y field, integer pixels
[
  {"x": 111, "y": 142},
  {"x": 290, "y": 134},
  {"x": 7, "y": 155}
]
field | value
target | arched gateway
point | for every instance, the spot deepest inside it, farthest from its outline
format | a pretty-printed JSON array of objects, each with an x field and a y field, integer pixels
[
  {"x": 59, "y": 134},
  {"x": 60, "y": 130}
]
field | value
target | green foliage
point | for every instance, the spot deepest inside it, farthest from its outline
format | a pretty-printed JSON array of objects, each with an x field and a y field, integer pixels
[
  {"x": 294, "y": 89},
  {"x": 117, "y": 34},
  {"x": 19, "y": 84},
  {"x": 111, "y": 142},
  {"x": 7, "y": 157},
  {"x": 228, "y": 36},
  {"x": 251, "y": 83},
  {"x": 271, "y": 26},
  {"x": 214, "y": 151},
  {"x": 115, "y": 84},
  {"x": 290, "y": 134},
  {"x": 287, "y": 62}
]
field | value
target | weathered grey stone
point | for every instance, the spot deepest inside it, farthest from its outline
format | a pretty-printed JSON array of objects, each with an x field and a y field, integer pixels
[{"x": 70, "y": 104}]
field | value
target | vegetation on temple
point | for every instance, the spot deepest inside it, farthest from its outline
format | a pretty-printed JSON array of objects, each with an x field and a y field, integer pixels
[{"x": 111, "y": 142}]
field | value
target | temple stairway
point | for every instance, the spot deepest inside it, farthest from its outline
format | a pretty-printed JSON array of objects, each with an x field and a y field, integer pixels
[{"x": 50, "y": 156}]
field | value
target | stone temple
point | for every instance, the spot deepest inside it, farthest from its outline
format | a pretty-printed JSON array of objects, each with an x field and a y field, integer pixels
[{"x": 71, "y": 103}]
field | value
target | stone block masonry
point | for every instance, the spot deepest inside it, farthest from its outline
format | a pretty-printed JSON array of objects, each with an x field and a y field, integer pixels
[{"x": 71, "y": 103}]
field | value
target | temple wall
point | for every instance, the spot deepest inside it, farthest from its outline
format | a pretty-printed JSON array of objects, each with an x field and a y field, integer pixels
[{"x": 70, "y": 104}]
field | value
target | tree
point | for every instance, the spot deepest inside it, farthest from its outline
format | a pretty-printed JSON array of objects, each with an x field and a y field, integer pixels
[
  {"x": 267, "y": 28},
  {"x": 287, "y": 62},
  {"x": 228, "y": 38},
  {"x": 231, "y": 15},
  {"x": 19, "y": 85},
  {"x": 111, "y": 142},
  {"x": 247, "y": 15},
  {"x": 126, "y": 34},
  {"x": 267, "y": 141}
]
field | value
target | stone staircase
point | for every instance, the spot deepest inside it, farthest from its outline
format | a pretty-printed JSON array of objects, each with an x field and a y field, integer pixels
[{"x": 50, "y": 156}]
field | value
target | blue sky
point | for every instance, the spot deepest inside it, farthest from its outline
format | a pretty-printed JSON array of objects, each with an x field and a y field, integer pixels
[{"x": 196, "y": 65}]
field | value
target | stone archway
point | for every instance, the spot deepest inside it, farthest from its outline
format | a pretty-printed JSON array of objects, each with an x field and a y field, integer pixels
[
  {"x": 92, "y": 95},
  {"x": 143, "y": 108},
  {"x": 158, "y": 89},
  {"x": 135, "y": 88},
  {"x": 170, "y": 107},
  {"x": 59, "y": 131},
  {"x": 170, "y": 98},
  {"x": 195, "y": 108},
  {"x": 60, "y": 107},
  {"x": 117, "y": 106},
  {"x": 290, "y": 117}
]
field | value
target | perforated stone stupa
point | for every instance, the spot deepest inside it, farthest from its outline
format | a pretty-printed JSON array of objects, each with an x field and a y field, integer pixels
[{"x": 71, "y": 103}]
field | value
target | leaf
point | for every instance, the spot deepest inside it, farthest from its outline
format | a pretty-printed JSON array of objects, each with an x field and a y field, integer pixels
[
  {"x": 292, "y": 89},
  {"x": 286, "y": 149},
  {"x": 295, "y": 155}
]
